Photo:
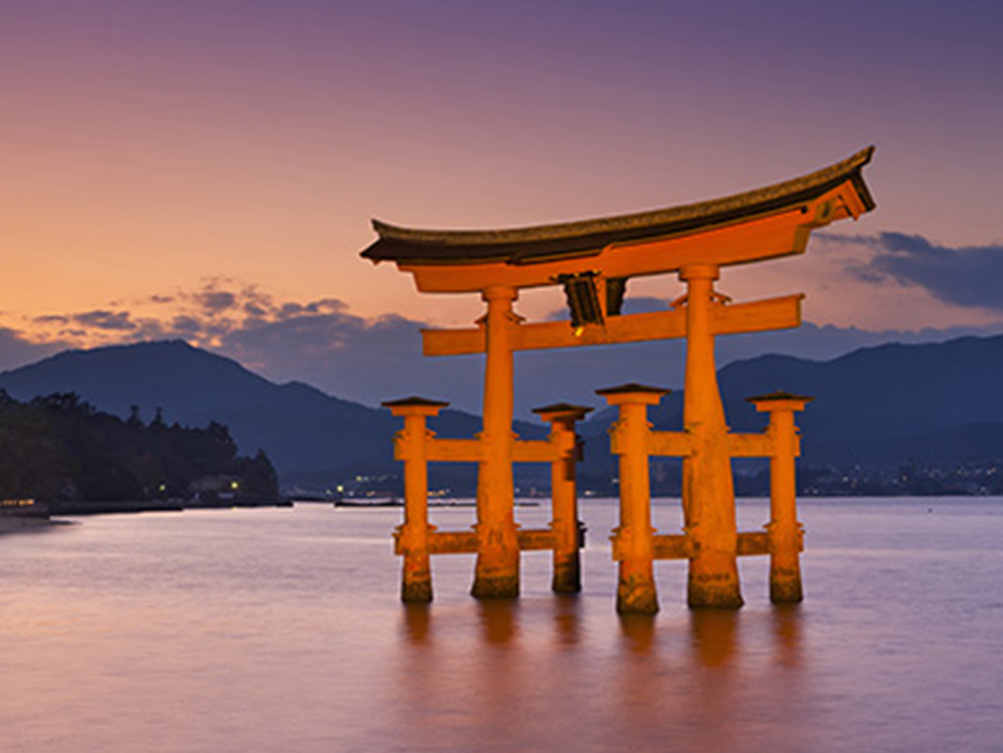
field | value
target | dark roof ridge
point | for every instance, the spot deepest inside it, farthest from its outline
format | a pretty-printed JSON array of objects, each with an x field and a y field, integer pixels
[{"x": 824, "y": 177}]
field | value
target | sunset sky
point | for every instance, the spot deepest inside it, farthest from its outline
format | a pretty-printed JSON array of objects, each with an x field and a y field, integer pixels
[{"x": 208, "y": 169}]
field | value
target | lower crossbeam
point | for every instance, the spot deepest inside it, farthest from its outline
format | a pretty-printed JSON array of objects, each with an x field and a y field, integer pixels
[
  {"x": 465, "y": 542},
  {"x": 679, "y": 546}
]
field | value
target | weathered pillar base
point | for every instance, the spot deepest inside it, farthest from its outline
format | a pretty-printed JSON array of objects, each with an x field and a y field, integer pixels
[
  {"x": 567, "y": 576},
  {"x": 496, "y": 573},
  {"x": 636, "y": 594},
  {"x": 714, "y": 585},
  {"x": 495, "y": 586},
  {"x": 785, "y": 585},
  {"x": 703, "y": 595},
  {"x": 416, "y": 588}
]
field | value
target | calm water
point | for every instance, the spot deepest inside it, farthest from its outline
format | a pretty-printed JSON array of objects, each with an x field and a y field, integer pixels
[{"x": 275, "y": 630}]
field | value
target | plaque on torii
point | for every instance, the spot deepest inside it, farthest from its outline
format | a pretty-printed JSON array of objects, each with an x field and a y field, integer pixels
[{"x": 593, "y": 260}]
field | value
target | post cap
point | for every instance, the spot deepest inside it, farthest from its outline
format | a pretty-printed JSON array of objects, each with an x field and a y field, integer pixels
[
  {"x": 562, "y": 410},
  {"x": 633, "y": 393},
  {"x": 779, "y": 400},
  {"x": 414, "y": 406}
]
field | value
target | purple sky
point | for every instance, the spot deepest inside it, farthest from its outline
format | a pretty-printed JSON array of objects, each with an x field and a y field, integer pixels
[{"x": 208, "y": 169}]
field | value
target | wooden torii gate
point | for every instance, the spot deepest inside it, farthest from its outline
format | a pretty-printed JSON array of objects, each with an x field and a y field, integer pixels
[{"x": 593, "y": 260}]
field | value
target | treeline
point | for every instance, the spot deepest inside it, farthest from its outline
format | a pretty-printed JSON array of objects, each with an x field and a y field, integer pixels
[{"x": 61, "y": 450}]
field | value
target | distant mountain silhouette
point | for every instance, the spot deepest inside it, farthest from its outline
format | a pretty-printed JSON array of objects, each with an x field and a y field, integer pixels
[
  {"x": 308, "y": 435},
  {"x": 934, "y": 402},
  {"x": 876, "y": 406}
]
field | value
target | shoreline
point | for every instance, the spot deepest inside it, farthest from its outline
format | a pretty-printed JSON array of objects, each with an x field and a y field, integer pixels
[
  {"x": 27, "y": 523},
  {"x": 48, "y": 518}
]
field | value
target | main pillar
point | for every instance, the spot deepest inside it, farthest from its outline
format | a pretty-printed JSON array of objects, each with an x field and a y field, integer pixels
[
  {"x": 708, "y": 488},
  {"x": 497, "y": 571}
]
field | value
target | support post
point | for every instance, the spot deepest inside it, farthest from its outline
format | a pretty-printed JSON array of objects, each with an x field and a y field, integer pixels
[
  {"x": 633, "y": 542},
  {"x": 412, "y": 537},
  {"x": 497, "y": 570},
  {"x": 708, "y": 487},
  {"x": 785, "y": 532},
  {"x": 565, "y": 524}
]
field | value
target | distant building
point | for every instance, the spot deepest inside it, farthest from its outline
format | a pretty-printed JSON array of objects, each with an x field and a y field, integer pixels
[
  {"x": 23, "y": 507},
  {"x": 220, "y": 487}
]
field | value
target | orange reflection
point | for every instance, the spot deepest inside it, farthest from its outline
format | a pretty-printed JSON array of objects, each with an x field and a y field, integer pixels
[
  {"x": 499, "y": 620},
  {"x": 567, "y": 620},
  {"x": 417, "y": 622},
  {"x": 787, "y": 633},
  {"x": 714, "y": 636},
  {"x": 639, "y": 631}
]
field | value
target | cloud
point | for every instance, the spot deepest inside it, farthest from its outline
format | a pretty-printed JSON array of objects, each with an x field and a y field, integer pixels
[
  {"x": 225, "y": 297},
  {"x": 367, "y": 360},
  {"x": 102, "y": 319},
  {"x": 51, "y": 319},
  {"x": 373, "y": 359},
  {"x": 185, "y": 326},
  {"x": 967, "y": 276},
  {"x": 370, "y": 359},
  {"x": 216, "y": 300}
]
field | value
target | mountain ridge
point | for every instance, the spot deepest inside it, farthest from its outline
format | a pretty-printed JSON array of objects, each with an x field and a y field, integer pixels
[
  {"x": 306, "y": 432},
  {"x": 880, "y": 405}
]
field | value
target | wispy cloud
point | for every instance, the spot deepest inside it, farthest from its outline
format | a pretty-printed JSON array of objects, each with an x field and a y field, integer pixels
[
  {"x": 215, "y": 301},
  {"x": 101, "y": 319},
  {"x": 967, "y": 276}
]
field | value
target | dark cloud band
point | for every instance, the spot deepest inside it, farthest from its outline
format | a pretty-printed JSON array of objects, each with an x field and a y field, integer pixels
[{"x": 968, "y": 276}]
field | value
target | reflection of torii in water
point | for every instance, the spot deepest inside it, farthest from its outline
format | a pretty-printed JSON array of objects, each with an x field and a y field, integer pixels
[{"x": 593, "y": 260}]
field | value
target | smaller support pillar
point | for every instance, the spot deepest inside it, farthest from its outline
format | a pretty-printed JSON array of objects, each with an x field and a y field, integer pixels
[
  {"x": 785, "y": 532},
  {"x": 412, "y": 537},
  {"x": 633, "y": 542},
  {"x": 565, "y": 524}
]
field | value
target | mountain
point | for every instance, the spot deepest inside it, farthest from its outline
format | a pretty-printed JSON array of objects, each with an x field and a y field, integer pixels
[
  {"x": 885, "y": 407},
  {"x": 886, "y": 391},
  {"x": 880, "y": 406},
  {"x": 309, "y": 436}
]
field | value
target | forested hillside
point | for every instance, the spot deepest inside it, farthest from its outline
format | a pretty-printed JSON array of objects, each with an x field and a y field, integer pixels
[{"x": 60, "y": 450}]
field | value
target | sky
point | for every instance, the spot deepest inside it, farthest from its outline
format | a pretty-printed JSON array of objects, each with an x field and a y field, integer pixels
[{"x": 208, "y": 169}]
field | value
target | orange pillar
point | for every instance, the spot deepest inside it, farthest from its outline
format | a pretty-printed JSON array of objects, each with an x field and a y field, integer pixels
[
  {"x": 784, "y": 529},
  {"x": 564, "y": 494},
  {"x": 708, "y": 489},
  {"x": 633, "y": 543},
  {"x": 497, "y": 571},
  {"x": 411, "y": 446}
]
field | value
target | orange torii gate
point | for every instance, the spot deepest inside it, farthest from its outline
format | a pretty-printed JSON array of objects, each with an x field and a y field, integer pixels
[{"x": 593, "y": 260}]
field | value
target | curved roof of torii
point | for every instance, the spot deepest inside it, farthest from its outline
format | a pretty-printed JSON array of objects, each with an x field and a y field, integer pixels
[{"x": 589, "y": 237}]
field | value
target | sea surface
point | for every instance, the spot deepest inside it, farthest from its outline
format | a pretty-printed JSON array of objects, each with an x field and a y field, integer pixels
[{"x": 280, "y": 630}]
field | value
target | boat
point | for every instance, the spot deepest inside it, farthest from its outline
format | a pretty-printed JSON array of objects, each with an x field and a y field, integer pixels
[{"x": 367, "y": 502}]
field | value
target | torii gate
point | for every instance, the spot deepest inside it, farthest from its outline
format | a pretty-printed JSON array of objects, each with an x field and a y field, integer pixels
[{"x": 593, "y": 260}]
